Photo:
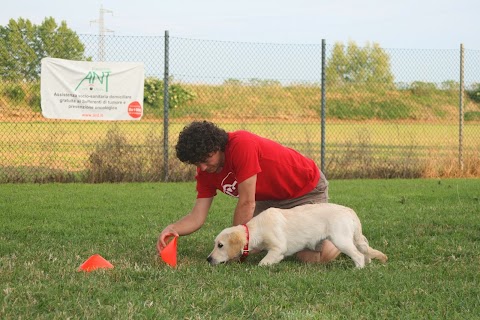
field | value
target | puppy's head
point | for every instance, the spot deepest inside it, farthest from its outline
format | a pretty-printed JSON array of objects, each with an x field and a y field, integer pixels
[{"x": 228, "y": 245}]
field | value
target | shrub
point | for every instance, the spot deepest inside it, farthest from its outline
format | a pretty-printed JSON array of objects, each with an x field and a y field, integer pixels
[
  {"x": 423, "y": 88},
  {"x": 179, "y": 96},
  {"x": 115, "y": 160},
  {"x": 450, "y": 85},
  {"x": 34, "y": 100},
  {"x": 472, "y": 116},
  {"x": 474, "y": 93},
  {"x": 153, "y": 94},
  {"x": 15, "y": 92}
]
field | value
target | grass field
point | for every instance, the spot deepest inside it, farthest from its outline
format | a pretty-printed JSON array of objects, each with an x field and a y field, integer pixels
[
  {"x": 30, "y": 146},
  {"x": 428, "y": 228}
]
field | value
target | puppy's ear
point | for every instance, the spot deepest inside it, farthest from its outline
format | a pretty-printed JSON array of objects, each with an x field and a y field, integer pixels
[{"x": 235, "y": 245}]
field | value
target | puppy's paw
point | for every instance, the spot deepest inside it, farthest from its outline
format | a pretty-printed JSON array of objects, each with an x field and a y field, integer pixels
[
  {"x": 265, "y": 263},
  {"x": 269, "y": 260},
  {"x": 383, "y": 259}
]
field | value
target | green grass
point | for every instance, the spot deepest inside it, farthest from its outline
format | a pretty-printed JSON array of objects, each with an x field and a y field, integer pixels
[{"x": 428, "y": 228}]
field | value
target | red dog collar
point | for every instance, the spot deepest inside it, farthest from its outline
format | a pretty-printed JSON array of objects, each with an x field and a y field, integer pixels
[{"x": 245, "y": 248}]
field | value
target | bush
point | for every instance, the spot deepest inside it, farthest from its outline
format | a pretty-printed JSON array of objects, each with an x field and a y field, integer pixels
[
  {"x": 15, "y": 92},
  {"x": 450, "y": 85},
  {"x": 472, "y": 116},
  {"x": 34, "y": 100},
  {"x": 179, "y": 96},
  {"x": 115, "y": 160},
  {"x": 153, "y": 94},
  {"x": 474, "y": 93},
  {"x": 423, "y": 88}
]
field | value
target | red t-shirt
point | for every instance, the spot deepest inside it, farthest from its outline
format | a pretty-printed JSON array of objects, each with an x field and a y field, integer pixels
[{"x": 282, "y": 173}]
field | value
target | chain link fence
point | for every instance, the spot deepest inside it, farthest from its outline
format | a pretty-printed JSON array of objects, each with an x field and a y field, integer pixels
[{"x": 388, "y": 112}]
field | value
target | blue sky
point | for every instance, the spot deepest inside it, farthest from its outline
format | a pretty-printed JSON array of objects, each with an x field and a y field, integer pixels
[{"x": 408, "y": 24}]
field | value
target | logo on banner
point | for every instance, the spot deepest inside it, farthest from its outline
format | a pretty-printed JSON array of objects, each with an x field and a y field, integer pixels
[{"x": 95, "y": 81}]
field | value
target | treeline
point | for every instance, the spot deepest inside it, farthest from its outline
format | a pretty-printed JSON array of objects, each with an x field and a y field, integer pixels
[{"x": 360, "y": 84}]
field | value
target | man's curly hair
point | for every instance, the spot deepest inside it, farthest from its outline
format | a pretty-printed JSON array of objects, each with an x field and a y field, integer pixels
[{"x": 198, "y": 140}]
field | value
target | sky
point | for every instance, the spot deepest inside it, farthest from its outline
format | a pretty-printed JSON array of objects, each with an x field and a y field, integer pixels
[{"x": 406, "y": 24}]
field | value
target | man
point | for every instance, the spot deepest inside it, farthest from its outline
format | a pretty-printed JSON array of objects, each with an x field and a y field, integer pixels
[{"x": 260, "y": 172}]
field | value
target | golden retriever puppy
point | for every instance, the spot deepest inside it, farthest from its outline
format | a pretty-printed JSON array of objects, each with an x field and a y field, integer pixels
[{"x": 283, "y": 232}]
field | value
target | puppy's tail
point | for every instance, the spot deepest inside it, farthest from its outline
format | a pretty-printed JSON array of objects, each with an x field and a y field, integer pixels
[{"x": 361, "y": 242}]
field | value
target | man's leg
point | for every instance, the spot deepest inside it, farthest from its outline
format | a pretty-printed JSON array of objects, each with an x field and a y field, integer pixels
[{"x": 326, "y": 250}]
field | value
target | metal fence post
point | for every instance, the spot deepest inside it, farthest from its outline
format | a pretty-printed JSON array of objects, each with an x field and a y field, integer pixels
[
  {"x": 166, "y": 107},
  {"x": 323, "y": 102},
  {"x": 460, "y": 135}
]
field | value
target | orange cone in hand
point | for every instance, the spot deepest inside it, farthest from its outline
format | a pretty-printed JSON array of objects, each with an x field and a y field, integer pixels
[
  {"x": 95, "y": 262},
  {"x": 169, "y": 253}
]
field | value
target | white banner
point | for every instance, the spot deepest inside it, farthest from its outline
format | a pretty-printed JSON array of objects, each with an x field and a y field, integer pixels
[{"x": 84, "y": 90}]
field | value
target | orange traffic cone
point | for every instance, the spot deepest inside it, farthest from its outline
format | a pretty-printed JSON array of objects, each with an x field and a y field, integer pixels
[
  {"x": 95, "y": 262},
  {"x": 169, "y": 253}
]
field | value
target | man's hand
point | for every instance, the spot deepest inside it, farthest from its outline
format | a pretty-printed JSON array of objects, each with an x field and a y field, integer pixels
[{"x": 167, "y": 233}]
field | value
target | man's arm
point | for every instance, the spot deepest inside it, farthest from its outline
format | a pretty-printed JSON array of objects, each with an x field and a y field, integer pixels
[
  {"x": 188, "y": 224},
  {"x": 246, "y": 201}
]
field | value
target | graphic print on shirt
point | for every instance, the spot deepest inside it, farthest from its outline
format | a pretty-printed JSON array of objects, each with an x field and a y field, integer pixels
[{"x": 229, "y": 185}]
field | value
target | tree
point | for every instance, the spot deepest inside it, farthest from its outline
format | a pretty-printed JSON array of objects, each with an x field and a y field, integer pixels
[
  {"x": 23, "y": 45},
  {"x": 352, "y": 64}
]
